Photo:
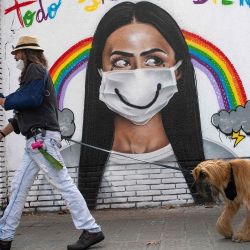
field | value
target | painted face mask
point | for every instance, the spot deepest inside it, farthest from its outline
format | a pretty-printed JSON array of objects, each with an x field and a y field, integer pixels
[
  {"x": 138, "y": 94},
  {"x": 20, "y": 64}
]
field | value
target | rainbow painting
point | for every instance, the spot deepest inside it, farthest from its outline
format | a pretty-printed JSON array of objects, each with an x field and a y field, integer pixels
[
  {"x": 68, "y": 65},
  {"x": 205, "y": 56},
  {"x": 220, "y": 71}
]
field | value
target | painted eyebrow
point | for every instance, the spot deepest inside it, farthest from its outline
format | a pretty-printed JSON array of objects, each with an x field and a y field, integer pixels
[
  {"x": 122, "y": 53},
  {"x": 144, "y": 53}
]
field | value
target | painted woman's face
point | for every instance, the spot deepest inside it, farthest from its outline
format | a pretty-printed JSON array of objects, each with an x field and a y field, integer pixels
[{"x": 135, "y": 46}]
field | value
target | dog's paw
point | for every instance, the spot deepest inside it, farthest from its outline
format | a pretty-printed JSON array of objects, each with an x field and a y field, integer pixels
[
  {"x": 225, "y": 231},
  {"x": 240, "y": 237},
  {"x": 236, "y": 239}
]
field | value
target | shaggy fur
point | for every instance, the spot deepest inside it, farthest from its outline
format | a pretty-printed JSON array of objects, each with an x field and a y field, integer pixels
[{"x": 217, "y": 174}]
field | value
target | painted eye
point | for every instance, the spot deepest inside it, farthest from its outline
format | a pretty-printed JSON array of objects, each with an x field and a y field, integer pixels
[
  {"x": 120, "y": 64},
  {"x": 153, "y": 61}
]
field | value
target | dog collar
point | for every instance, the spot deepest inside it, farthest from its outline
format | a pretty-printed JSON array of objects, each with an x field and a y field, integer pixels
[{"x": 230, "y": 190}]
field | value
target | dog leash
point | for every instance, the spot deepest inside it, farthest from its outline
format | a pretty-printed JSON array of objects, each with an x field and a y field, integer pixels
[
  {"x": 129, "y": 157},
  {"x": 142, "y": 161}
]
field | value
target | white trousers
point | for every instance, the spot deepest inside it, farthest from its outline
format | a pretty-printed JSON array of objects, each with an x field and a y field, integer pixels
[{"x": 32, "y": 162}]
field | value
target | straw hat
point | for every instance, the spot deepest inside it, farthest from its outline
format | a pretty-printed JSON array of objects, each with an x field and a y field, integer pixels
[{"x": 26, "y": 42}]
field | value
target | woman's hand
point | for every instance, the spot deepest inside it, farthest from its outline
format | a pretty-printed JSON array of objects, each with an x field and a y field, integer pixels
[
  {"x": 2, "y": 101},
  {"x": 6, "y": 130}
]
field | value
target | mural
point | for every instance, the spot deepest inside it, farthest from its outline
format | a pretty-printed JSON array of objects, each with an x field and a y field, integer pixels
[
  {"x": 137, "y": 119},
  {"x": 133, "y": 92}
]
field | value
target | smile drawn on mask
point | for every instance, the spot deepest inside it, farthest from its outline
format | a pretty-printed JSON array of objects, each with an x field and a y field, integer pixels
[{"x": 140, "y": 107}]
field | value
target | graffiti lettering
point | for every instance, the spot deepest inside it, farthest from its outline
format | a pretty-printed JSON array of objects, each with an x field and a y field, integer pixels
[
  {"x": 52, "y": 9},
  {"x": 199, "y": 1},
  {"x": 17, "y": 7},
  {"x": 28, "y": 18},
  {"x": 224, "y": 2},
  {"x": 246, "y": 1},
  {"x": 95, "y": 4},
  {"x": 41, "y": 15}
]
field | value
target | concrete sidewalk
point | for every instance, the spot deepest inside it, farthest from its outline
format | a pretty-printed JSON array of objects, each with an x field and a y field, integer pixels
[{"x": 182, "y": 228}]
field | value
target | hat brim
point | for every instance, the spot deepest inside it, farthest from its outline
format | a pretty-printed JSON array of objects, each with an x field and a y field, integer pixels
[{"x": 13, "y": 52}]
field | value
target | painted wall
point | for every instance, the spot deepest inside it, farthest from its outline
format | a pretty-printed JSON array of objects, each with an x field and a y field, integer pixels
[
  {"x": 2, "y": 148},
  {"x": 217, "y": 35}
]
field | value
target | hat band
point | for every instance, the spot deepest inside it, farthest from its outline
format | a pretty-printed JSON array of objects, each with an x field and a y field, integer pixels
[{"x": 26, "y": 44}]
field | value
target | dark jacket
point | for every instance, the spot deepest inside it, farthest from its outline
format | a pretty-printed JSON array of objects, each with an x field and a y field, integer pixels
[{"x": 34, "y": 103}]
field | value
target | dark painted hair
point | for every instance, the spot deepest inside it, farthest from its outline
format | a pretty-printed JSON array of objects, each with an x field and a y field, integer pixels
[{"x": 181, "y": 117}]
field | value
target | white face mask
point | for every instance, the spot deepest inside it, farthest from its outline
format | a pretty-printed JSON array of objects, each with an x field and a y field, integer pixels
[
  {"x": 20, "y": 64},
  {"x": 138, "y": 94}
]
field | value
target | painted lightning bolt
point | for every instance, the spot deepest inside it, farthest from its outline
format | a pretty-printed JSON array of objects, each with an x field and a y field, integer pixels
[{"x": 238, "y": 137}]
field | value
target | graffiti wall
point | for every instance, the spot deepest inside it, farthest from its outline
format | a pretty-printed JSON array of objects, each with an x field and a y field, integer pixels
[{"x": 146, "y": 90}]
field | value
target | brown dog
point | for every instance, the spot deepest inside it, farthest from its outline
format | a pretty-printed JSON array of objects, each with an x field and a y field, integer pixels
[{"x": 231, "y": 179}]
